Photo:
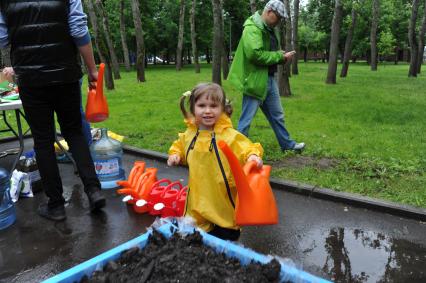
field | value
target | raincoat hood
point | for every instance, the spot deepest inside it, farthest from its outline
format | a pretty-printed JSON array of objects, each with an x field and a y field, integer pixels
[{"x": 223, "y": 123}]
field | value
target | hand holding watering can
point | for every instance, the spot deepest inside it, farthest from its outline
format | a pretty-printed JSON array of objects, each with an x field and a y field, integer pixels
[{"x": 96, "y": 106}]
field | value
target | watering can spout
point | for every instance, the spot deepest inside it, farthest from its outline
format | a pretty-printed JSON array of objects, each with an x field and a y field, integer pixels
[{"x": 256, "y": 202}]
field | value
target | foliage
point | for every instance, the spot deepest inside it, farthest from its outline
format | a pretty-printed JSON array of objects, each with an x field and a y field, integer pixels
[
  {"x": 311, "y": 39},
  {"x": 160, "y": 20},
  {"x": 386, "y": 44}
]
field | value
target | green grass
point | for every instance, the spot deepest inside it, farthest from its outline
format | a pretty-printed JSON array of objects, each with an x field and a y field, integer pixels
[{"x": 372, "y": 125}]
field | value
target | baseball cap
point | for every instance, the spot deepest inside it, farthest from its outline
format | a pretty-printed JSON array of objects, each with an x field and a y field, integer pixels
[{"x": 278, "y": 7}]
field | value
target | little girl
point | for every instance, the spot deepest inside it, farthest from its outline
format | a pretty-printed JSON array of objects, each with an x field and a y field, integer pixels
[{"x": 212, "y": 193}]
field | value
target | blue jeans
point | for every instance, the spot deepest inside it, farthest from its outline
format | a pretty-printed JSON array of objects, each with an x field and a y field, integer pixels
[
  {"x": 273, "y": 111},
  {"x": 84, "y": 124}
]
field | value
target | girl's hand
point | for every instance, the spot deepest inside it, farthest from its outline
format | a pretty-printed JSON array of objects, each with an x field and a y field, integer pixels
[
  {"x": 173, "y": 160},
  {"x": 256, "y": 159}
]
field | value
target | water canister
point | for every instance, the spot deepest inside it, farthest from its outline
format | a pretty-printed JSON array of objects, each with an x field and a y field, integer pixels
[
  {"x": 107, "y": 155},
  {"x": 7, "y": 208}
]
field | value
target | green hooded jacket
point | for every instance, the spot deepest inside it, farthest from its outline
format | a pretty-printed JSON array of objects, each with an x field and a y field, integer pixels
[{"x": 249, "y": 69}]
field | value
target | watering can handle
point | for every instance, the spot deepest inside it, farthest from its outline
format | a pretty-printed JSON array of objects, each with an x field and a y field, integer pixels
[
  {"x": 161, "y": 181},
  {"x": 249, "y": 167},
  {"x": 174, "y": 184},
  {"x": 184, "y": 189}
]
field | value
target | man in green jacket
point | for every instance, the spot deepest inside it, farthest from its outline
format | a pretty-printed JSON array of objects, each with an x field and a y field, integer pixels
[{"x": 253, "y": 72}]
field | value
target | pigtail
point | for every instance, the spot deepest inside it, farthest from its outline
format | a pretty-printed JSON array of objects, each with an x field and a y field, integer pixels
[
  {"x": 228, "y": 109},
  {"x": 182, "y": 107}
]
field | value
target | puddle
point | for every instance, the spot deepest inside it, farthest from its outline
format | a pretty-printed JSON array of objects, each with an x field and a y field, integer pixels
[{"x": 353, "y": 255}]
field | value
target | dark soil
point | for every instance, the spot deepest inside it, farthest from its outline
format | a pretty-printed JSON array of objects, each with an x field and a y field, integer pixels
[
  {"x": 305, "y": 161},
  {"x": 182, "y": 259}
]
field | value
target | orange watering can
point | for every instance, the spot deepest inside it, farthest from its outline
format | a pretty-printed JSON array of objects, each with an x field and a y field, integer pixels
[
  {"x": 137, "y": 170},
  {"x": 96, "y": 106},
  {"x": 142, "y": 188},
  {"x": 255, "y": 203}
]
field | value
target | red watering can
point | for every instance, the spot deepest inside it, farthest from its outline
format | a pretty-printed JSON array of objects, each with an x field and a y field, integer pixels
[
  {"x": 180, "y": 201},
  {"x": 150, "y": 197},
  {"x": 156, "y": 197},
  {"x": 96, "y": 105},
  {"x": 167, "y": 204},
  {"x": 256, "y": 202}
]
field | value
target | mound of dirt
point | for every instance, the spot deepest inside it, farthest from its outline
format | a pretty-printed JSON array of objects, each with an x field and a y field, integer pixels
[{"x": 182, "y": 259}]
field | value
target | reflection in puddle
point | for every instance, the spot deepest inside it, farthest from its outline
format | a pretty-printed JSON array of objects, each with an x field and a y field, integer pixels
[{"x": 352, "y": 255}]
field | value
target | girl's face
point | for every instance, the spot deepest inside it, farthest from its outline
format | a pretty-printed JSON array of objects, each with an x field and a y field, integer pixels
[{"x": 207, "y": 112}]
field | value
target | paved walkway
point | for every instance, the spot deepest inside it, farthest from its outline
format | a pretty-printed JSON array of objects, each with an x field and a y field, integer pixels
[{"x": 325, "y": 238}]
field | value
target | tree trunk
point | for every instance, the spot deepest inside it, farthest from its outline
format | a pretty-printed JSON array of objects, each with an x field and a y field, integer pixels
[
  {"x": 348, "y": 45},
  {"x": 373, "y": 34},
  {"x": 421, "y": 47},
  {"x": 140, "y": 44},
  {"x": 188, "y": 56},
  {"x": 100, "y": 45},
  {"x": 107, "y": 35},
  {"x": 283, "y": 72},
  {"x": 217, "y": 41},
  {"x": 225, "y": 62},
  {"x": 123, "y": 37},
  {"x": 334, "y": 42},
  {"x": 295, "y": 68},
  {"x": 396, "y": 55},
  {"x": 288, "y": 36},
  {"x": 208, "y": 55},
  {"x": 180, "y": 36},
  {"x": 194, "y": 37},
  {"x": 412, "y": 40},
  {"x": 253, "y": 6}
]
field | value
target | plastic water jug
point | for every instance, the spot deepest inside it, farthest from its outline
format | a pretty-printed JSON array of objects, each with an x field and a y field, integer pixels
[
  {"x": 107, "y": 155},
  {"x": 7, "y": 208}
]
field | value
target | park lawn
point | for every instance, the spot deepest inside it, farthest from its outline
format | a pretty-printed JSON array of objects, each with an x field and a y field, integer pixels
[{"x": 364, "y": 135}]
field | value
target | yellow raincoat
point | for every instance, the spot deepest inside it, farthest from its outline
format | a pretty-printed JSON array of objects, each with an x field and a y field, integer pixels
[{"x": 208, "y": 201}]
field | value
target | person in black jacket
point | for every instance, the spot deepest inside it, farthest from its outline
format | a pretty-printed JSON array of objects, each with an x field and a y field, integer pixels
[{"x": 46, "y": 38}]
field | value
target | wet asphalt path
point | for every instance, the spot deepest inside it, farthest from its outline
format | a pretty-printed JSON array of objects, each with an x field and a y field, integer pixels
[{"x": 331, "y": 240}]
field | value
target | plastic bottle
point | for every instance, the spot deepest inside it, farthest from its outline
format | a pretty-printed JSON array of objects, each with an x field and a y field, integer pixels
[
  {"x": 7, "y": 208},
  {"x": 107, "y": 155},
  {"x": 28, "y": 164}
]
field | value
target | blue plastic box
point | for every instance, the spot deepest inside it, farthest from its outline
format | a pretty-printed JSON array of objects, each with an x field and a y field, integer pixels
[{"x": 288, "y": 273}]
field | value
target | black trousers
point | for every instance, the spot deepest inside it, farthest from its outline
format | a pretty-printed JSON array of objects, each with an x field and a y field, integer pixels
[{"x": 40, "y": 104}]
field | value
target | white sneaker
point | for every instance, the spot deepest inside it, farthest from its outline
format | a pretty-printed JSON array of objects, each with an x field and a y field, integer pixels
[{"x": 299, "y": 146}]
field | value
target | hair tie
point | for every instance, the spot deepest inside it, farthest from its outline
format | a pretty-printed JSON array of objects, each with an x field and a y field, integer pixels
[{"x": 186, "y": 93}]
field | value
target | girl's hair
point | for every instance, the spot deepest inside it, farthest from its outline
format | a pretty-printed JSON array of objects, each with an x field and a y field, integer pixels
[{"x": 212, "y": 90}]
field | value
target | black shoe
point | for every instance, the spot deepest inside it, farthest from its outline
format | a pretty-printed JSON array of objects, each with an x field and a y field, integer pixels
[
  {"x": 96, "y": 200},
  {"x": 55, "y": 214}
]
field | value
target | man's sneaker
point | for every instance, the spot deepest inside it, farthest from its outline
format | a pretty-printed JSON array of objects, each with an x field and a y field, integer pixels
[
  {"x": 55, "y": 214},
  {"x": 299, "y": 147},
  {"x": 96, "y": 200}
]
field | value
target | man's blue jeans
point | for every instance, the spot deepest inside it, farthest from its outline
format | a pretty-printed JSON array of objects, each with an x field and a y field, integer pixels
[
  {"x": 84, "y": 124},
  {"x": 273, "y": 111}
]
